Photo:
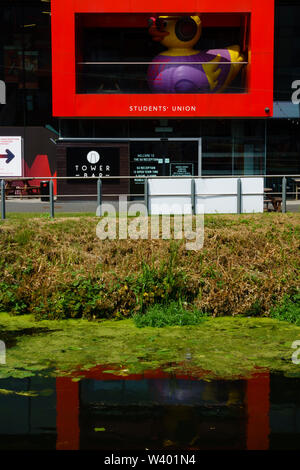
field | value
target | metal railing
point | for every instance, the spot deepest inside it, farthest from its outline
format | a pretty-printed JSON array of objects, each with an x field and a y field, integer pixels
[{"x": 281, "y": 196}]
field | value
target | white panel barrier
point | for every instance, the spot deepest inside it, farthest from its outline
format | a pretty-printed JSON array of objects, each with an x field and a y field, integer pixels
[
  {"x": 161, "y": 200},
  {"x": 214, "y": 195},
  {"x": 250, "y": 201}
]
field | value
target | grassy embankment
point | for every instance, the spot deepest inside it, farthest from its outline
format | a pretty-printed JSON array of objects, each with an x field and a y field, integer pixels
[{"x": 54, "y": 270}]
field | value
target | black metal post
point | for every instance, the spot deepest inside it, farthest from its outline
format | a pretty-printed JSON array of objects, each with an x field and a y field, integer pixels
[
  {"x": 3, "y": 211},
  {"x": 283, "y": 195},
  {"x": 193, "y": 196},
  {"x": 239, "y": 196},
  {"x": 51, "y": 187},
  {"x": 147, "y": 195},
  {"x": 99, "y": 197}
]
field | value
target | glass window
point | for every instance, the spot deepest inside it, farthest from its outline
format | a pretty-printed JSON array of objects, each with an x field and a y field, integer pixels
[
  {"x": 233, "y": 147},
  {"x": 161, "y": 158},
  {"x": 216, "y": 147},
  {"x": 248, "y": 147},
  {"x": 283, "y": 147},
  {"x": 25, "y": 63},
  {"x": 11, "y": 65},
  {"x": 287, "y": 48},
  {"x": 136, "y": 53},
  {"x": 283, "y": 151}
]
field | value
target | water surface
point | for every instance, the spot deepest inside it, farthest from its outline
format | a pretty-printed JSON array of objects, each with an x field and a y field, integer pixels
[{"x": 154, "y": 410}]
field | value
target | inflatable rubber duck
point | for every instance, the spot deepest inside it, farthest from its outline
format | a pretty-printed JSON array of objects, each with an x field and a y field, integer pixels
[{"x": 181, "y": 68}]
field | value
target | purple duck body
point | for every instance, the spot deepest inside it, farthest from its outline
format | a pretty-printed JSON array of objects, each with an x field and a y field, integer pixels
[{"x": 188, "y": 77}]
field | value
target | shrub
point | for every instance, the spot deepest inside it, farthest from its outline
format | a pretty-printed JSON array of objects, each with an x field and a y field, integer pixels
[
  {"x": 255, "y": 309},
  {"x": 163, "y": 285},
  {"x": 95, "y": 297},
  {"x": 173, "y": 314},
  {"x": 288, "y": 309},
  {"x": 79, "y": 299},
  {"x": 12, "y": 299}
]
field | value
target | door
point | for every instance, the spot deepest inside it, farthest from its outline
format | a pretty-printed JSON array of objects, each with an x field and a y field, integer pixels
[{"x": 162, "y": 157}]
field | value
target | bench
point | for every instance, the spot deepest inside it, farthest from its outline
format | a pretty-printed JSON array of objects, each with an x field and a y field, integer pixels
[
  {"x": 21, "y": 188},
  {"x": 267, "y": 202},
  {"x": 275, "y": 201}
]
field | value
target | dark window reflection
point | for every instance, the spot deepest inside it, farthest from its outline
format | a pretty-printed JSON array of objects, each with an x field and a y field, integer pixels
[
  {"x": 25, "y": 63},
  {"x": 283, "y": 151},
  {"x": 234, "y": 148},
  {"x": 287, "y": 48}
]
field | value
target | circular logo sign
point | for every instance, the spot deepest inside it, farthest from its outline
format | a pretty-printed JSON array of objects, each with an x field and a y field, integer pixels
[{"x": 93, "y": 157}]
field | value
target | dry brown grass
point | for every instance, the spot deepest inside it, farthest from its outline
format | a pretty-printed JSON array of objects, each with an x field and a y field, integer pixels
[{"x": 246, "y": 265}]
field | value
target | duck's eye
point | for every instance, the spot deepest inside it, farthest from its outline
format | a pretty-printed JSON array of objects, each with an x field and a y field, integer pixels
[{"x": 186, "y": 29}]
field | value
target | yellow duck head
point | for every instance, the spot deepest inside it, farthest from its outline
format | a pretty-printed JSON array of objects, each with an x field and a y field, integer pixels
[{"x": 177, "y": 32}]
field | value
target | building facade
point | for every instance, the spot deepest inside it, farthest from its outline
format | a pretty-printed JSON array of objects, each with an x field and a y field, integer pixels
[{"x": 91, "y": 87}]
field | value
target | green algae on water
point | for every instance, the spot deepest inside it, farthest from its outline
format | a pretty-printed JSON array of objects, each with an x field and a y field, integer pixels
[{"x": 222, "y": 347}]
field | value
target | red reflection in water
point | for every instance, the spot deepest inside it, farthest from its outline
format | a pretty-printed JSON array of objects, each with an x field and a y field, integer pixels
[
  {"x": 258, "y": 405},
  {"x": 68, "y": 432},
  {"x": 67, "y": 409}
]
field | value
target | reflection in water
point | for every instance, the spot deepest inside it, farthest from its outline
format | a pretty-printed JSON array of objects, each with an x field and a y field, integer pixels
[{"x": 154, "y": 410}]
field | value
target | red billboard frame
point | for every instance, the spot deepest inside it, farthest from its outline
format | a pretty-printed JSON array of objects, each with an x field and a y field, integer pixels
[{"x": 256, "y": 102}]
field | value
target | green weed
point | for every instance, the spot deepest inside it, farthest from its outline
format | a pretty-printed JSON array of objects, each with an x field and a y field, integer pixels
[
  {"x": 173, "y": 314},
  {"x": 288, "y": 309}
]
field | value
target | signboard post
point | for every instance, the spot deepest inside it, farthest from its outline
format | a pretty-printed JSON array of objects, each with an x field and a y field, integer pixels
[{"x": 11, "y": 157}]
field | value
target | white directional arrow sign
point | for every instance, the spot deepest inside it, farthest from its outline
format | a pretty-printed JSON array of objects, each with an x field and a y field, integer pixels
[{"x": 11, "y": 156}]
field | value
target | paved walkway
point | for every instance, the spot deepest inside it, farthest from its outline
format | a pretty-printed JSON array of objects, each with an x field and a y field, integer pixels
[{"x": 38, "y": 206}]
